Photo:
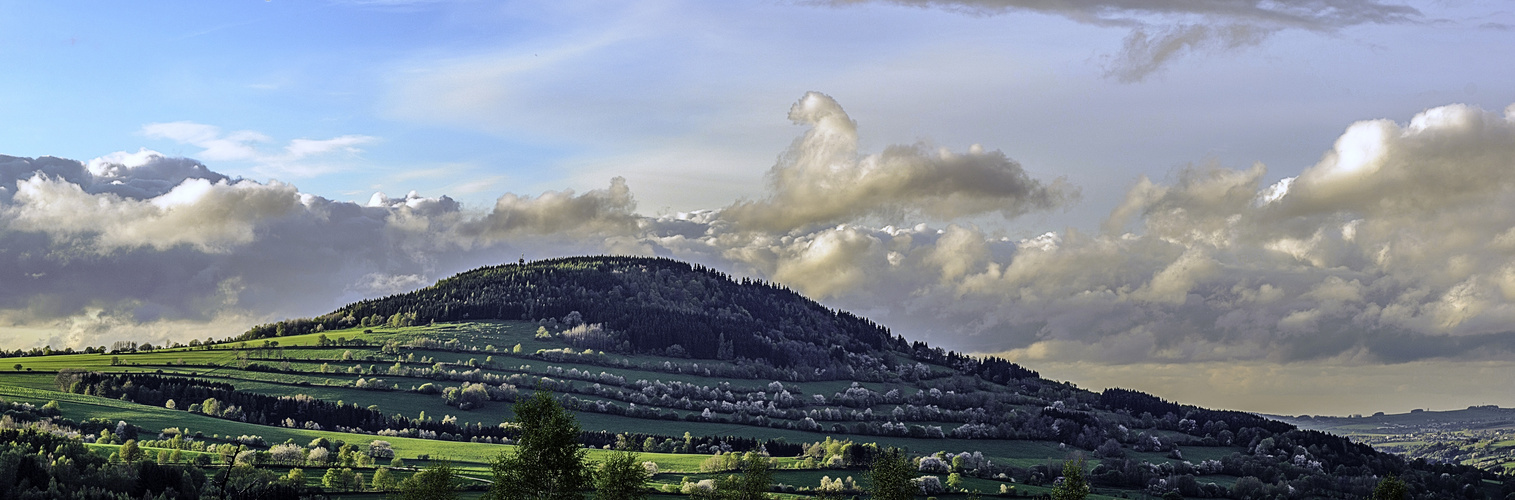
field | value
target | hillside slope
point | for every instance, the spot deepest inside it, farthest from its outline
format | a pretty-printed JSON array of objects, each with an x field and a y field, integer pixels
[{"x": 658, "y": 306}]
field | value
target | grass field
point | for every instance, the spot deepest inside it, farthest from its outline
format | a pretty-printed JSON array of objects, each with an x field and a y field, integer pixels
[{"x": 502, "y": 335}]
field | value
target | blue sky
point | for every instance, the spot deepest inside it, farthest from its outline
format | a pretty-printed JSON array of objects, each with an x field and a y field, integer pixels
[
  {"x": 1000, "y": 152},
  {"x": 526, "y": 97}
]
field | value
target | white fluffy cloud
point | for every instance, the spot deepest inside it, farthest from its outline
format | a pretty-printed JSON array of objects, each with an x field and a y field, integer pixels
[
  {"x": 598, "y": 212},
  {"x": 1398, "y": 245},
  {"x": 1389, "y": 247},
  {"x": 823, "y": 179}
]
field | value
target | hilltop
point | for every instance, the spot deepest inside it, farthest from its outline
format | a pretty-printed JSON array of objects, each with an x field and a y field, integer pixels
[{"x": 662, "y": 307}]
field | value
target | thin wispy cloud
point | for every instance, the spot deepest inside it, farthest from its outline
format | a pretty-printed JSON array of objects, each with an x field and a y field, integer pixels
[{"x": 298, "y": 158}]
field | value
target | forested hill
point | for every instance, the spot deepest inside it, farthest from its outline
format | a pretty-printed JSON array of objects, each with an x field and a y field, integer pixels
[
  {"x": 657, "y": 306},
  {"x": 765, "y": 334}
]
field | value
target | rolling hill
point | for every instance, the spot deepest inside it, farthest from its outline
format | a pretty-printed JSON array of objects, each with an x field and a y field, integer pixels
[{"x": 681, "y": 363}]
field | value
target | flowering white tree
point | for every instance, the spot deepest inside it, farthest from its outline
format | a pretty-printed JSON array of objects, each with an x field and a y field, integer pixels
[
  {"x": 933, "y": 464},
  {"x": 318, "y": 456},
  {"x": 930, "y": 485},
  {"x": 380, "y": 449},
  {"x": 288, "y": 453}
]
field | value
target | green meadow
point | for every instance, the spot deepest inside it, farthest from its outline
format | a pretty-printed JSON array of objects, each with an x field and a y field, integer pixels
[{"x": 319, "y": 366}]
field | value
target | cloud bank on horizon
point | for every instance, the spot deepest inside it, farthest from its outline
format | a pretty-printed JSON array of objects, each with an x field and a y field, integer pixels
[{"x": 1396, "y": 246}]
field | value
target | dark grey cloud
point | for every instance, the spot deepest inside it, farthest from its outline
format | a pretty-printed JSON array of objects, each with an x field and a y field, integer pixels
[
  {"x": 1163, "y": 30},
  {"x": 1311, "y": 14}
]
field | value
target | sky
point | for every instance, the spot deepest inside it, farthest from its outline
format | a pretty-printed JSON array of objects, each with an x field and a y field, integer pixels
[{"x": 1284, "y": 206}]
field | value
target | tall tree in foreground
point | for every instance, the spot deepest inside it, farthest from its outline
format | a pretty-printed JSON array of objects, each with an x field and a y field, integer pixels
[
  {"x": 1073, "y": 486},
  {"x": 548, "y": 463},
  {"x": 1391, "y": 488},
  {"x": 889, "y": 478},
  {"x": 621, "y": 477},
  {"x": 437, "y": 481}
]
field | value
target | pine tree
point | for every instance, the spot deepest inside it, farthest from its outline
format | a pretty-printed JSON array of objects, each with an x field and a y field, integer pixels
[{"x": 548, "y": 463}]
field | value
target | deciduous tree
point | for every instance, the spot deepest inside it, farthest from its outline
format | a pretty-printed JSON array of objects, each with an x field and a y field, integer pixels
[
  {"x": 1391, "y": 488},
  {"x": 752, "y": 484},
  {"x": 621, "y": 477},
  {"x": 548, "y": 463},
  {"x": 437, "y": 481},
  {"x": 383, "y": 480},
  {"x": 130, "y": 452},
  {"x": 1073, "y": 486},
  {"x": 889, "y": 478}
]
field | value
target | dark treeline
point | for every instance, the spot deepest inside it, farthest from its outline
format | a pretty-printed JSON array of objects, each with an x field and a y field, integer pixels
[
  {"x": 651, "y": 305},
  {"x": 995, "y": 369},
  {"x": 196, "y": 395},
  {"x": 48, "y": 351},
  {"x": 1137, "y": 402}
]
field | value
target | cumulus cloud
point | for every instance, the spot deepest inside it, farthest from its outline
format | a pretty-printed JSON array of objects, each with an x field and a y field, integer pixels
[
  {"x": 1389, "y": 243},
  {"x": 1166, "y": 29},
  {"x": 822, "y": 179},
  {"x": 599, "y": 212},
  {"x": 1396, "y": 246},
  {"x": 156, "y": 247},
  {"x": 209, "y": 217}
]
